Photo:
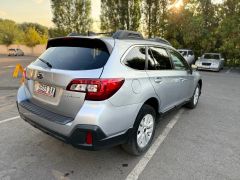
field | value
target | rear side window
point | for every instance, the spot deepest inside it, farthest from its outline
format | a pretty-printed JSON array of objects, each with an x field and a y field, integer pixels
[
  {"x": 75, "y": 54},
  {"x": 158, "y": 59},
  {"x": 136, "y": 58}
]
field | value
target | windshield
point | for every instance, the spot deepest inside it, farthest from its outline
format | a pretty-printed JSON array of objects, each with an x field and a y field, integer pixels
[
  {"x": 211, "y": 56},
  {"x": 74, "y": 57}
]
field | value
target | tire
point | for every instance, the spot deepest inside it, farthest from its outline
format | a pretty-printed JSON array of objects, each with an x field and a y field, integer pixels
[
  {"x": 193, "y": 102},
  {"x": 143, "y": 133}
]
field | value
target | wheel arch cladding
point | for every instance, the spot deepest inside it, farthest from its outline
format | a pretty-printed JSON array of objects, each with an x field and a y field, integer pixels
[{"x": 153, "y": 102}]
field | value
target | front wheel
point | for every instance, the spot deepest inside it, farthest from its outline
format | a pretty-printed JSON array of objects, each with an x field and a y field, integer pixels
[
  {"x": 143, "y": 131},
  {"x": 194, "y": 100}
]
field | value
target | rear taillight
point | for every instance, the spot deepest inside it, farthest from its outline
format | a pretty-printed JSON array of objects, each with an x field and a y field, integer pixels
[
  {"x": 25, "y": 73},
  {"x": 96, "y": 89}
]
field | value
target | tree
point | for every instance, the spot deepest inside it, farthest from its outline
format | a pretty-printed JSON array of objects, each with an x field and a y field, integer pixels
[
  {"x": 9, "y": 32},
  {"x": 72, "y": 15},
  {"x": 120, "y": 14},
  {"x": 229, "y": 31},
  {"x": 155, "y": 17},
  {"x": 55, "y": 32},
  {"x": 38, "y": 27},
  {"x": 32, "y": 37}
]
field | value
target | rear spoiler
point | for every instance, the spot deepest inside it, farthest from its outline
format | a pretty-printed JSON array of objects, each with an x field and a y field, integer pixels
[{"x": 76, "y": 41}]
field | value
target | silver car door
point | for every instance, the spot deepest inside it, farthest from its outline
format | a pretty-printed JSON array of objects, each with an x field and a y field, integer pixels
[
  {"x": 162, "y": 77},
  {"x": 185, "y": 77}
]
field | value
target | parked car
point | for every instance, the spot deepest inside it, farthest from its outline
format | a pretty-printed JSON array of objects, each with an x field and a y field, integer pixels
[
  {"x": 188, "y": 55},
  {"x": 97, "y": 92},
  {"x": 210, "y": 61},
  {"x": 15, "y": 52}
]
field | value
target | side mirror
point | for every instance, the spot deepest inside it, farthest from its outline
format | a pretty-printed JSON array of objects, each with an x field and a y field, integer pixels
[
  {"x": 199, "y": 58},
  {"x": 194, "y": 67},
  {"x": 222, "y": 59}
]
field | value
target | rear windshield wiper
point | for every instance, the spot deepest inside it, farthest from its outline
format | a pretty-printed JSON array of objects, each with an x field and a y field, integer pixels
[{"x": 47, "y": 63}]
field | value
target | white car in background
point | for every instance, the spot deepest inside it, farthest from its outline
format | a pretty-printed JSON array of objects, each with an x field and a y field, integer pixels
[
  {"x": 188, "y": 55},
  {"x": 210, "y": 61},
  {"x": 15, "y": 52}
]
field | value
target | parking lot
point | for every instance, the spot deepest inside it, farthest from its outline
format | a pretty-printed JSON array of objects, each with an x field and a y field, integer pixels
[{"x": 189, "y": 144}]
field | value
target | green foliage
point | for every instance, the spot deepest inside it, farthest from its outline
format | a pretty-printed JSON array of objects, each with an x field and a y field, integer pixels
[
  {"x": 42, "y": 30},
  {"x": 229, "y": 30},
  {"x": 155, "y": 16},
  {"x": 120, "y": 14},
  {"x": 32, "y": 37},
  {"x": 55, "y": 32},
  {"x": 9, "y": 32},
  {"x": 72, "y": 15},
  {"x": 30, "y": 34}
]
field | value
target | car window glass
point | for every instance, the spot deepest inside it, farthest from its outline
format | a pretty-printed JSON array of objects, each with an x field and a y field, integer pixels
[
  {"x": 178, "y": 61},
  {"x": 158, "y": 59},
  {"x": 211, "y": 56},
  {"x": 136, "y": 58},
  {"x": 73, "y": 58},
  {"x": 185, "y": 53},
  {"x": 190, "y": 53}
]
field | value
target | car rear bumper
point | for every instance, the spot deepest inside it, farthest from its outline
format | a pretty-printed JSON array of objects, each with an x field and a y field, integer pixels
[
  {"x": 77, "y": 136},
  {"x": 108, "y": 124}
]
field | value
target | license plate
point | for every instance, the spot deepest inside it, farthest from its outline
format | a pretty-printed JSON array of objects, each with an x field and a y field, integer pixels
[{"x": 44, "y": 89}]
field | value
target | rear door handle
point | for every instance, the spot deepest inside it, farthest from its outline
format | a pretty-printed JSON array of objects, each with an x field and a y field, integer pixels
[{"x": 158, "y": 80}]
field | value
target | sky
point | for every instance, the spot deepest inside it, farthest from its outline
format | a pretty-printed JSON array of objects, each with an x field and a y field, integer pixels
[{"x": 39, "y": 11}]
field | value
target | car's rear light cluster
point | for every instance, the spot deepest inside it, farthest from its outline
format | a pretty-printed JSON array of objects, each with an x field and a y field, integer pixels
[
  {"x": 25, "y": 73},
  {"x": 96, "y": 89}
]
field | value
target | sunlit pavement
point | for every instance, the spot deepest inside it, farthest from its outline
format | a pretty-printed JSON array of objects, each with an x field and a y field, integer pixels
[{"x": 203, "y": 144}]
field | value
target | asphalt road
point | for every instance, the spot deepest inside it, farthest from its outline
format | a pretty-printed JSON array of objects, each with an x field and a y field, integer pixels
[{"x": 202, "y": 143}]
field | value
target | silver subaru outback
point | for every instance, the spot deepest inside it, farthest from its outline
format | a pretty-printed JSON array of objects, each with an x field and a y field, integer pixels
[{"x": 96, "y": 92}]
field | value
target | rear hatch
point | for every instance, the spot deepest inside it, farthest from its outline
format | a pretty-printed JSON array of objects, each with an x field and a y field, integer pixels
[{"x": 64, "y": 60}]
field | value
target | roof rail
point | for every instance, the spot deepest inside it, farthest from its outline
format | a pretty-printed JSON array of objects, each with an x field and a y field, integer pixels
[
  {"x": 73, "y": 34},
  {"x": 120, "y": 34},
  {"x": 161, "y": 40},
  {"x": 91, "y": 33},
  {"x": 124, "y": 34}
]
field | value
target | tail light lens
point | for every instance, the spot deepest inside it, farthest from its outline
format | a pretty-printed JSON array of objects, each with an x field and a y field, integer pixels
[
  {"x": 25, "y": 73},
  {"x": 96, "y": 89}
]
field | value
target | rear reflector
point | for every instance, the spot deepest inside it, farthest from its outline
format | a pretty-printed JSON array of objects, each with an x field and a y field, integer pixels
[
  {"x": 89, "y": 138},
  {"x": 96, "y": 89}
]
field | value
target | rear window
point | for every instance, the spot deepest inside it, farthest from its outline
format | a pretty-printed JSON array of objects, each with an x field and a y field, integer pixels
[{"x": 74, "y": 54}]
